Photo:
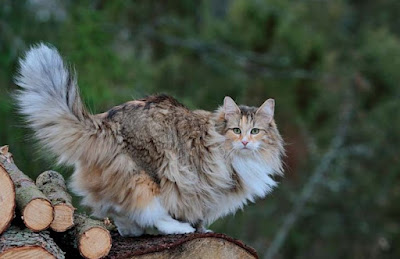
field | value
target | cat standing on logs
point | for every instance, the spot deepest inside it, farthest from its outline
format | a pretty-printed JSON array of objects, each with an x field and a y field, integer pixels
[{"x": 151, "y": 162}]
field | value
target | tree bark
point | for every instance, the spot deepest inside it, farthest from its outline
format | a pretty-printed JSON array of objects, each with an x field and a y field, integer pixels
[
  {"x": 52, "y": 184},
  {"x": 17, "y": 243},
  {"x": 35, "y": 208},
  {"x": 207, "y": 245},
  {"x": 7, "y": 196}
]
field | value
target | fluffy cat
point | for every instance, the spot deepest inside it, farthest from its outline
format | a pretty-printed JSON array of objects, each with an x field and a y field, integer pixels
[{"x": 151, "y": 162}]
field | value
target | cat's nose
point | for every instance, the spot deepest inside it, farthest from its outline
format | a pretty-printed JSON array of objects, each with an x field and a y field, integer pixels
[{"x": 244, "y": 142}]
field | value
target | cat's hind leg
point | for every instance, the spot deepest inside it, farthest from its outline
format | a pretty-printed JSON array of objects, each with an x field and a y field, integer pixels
[
  {"x": 155, "y": 215},
  {"x": 127, "y": 227},
  {"x": 201, "y": 228},
  {"x": 138, "y": 207}
]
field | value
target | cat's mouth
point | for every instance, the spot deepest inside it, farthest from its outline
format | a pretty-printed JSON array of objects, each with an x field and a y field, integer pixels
[{"x": 246, "y": 149}]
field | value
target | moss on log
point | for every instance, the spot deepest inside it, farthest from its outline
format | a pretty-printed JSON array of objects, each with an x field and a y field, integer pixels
[
  {"x": 18, "y": 243},
  {"x": 52, "y": 184}
]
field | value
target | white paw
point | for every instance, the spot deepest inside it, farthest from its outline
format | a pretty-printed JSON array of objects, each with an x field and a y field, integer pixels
[
  {"x": 174, "y": 227},
  {"x": 184, "y": 228}
]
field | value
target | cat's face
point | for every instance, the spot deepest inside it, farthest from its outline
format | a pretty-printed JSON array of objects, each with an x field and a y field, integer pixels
[{"x": 249, "y": 129}]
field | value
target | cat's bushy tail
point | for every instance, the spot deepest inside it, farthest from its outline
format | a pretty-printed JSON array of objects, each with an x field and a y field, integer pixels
[{"x": 49, "y": 98}]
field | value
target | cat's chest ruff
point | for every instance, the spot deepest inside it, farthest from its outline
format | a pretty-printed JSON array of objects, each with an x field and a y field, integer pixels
[{"x": 255, "y": 175}]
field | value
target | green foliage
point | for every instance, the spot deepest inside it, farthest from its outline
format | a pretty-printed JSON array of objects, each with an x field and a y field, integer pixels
[
  {"x": 305, "y": 54},
  {"x": 381, "y": 58}
]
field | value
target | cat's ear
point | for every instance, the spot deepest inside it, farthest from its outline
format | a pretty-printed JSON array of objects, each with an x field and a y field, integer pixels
[
  {"x": 230, "y": 107},
  {"x": 267, "y": 109}
]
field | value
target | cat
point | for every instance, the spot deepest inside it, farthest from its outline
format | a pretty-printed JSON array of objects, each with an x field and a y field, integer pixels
[{"x": 151, "y": 163}]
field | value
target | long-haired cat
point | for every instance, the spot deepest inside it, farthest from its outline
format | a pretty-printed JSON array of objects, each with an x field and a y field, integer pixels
[{"x": 151, "y": 162}]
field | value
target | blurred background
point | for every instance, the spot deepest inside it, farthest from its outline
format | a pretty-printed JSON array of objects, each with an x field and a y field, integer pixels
[{"x": 332, "y": 67}]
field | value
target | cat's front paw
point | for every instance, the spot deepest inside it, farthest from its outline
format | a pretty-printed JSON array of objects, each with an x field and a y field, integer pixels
[
  {"x": 185, "y": 228},
  {"x": 174, "y": 227}
]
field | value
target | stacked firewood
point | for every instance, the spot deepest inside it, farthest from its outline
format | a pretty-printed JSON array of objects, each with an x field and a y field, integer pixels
[
  {"x": 38, "y": 220},
  {"x": 28, "y": 209}
]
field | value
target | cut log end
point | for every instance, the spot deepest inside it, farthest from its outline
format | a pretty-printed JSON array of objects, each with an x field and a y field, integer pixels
[
  {"x": 7, "y": 200},
  {"x": 95, "y": 243},
  {"x": 38, "y": 214},
  {"x": 89, "y": 238},
  {"x": 52, "y": 184},
  {"x": 26, "y": 252},
  {"x": 63, "y": 217}
]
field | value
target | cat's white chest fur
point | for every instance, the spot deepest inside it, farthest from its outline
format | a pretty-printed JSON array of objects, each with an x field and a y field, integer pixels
[
  {"x": 255, "y": 175},
  {"x": 255, "y": 179}
]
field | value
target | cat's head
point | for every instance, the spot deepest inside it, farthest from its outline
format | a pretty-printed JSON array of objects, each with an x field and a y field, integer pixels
[{"x": 249, "y": 130}]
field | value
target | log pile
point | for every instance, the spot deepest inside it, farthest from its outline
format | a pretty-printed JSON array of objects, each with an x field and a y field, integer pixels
[
  {"x": 39, "y": 206},
  {"x": 32, "y": 204},
  {"x": 38, "y": 220}
]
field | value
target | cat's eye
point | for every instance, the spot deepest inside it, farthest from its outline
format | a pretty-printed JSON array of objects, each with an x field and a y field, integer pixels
[
  {"x": 236, "y": 130},
  {"x": 255, "y": 131}
]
